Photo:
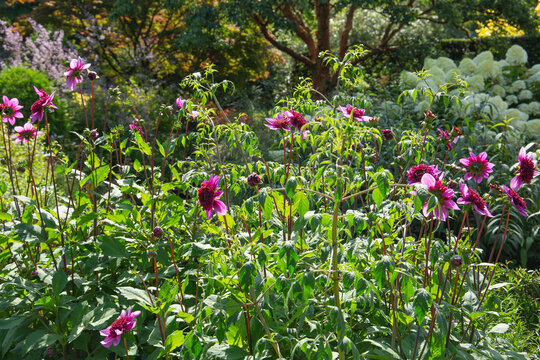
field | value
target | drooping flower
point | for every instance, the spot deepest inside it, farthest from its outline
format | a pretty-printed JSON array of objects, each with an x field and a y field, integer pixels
[
  {"x": 357, "y": 114},
  {"x": 526, "y": 171},
  {"x": 74, "y": 73},
  {"x": 253, "y": 180},
  {"x": 10, "y": 110},
  {"x": 297, "y": 121},
  {"x": 209, "y": 195},
  {"x": 516, "y": 200},
  {"x": 180, "y": 103},
  {"x": 39, "y": 106},
  {"x": 443, "y": 194},
  {"x": 470, "y": 196},
  {"x": 279, "y": 122},
  {"x": 125, "y": 322},
  {"x": 25, "y": 133},
  {"x": 414, "y": 175},
  {"x": 387, "y": 134},
  {"x": 135, "y": 126},
  {"x": 477, "y": 167},
  {"x": 448, "y": 137}
]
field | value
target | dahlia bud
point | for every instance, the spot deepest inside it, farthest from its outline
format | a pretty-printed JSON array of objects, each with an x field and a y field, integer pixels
[
  {"x": 94, "y": 134},
  {"x": 456, "y": 261},
  {"x": 496, "y": 189},
  {"x": 92, "y": 75},
  {"x": 453, "y": 185},
  {"x": 429, "y": 114},
  {"x": 253, "y": 180},
  {"x": 157, "y": 232}
]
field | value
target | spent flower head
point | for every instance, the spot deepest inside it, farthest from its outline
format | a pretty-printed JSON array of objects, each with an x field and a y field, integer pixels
[
  {"x": 124, "y": 323},
  {"x": 414, "y": 175},
  {"x": 471, "y": 197},
  {"x": 516, "y": 200},
  {"x": 526, "y": 171},
  {"x": 477, "y": 167},
  {"x": 38, "y": 108}
]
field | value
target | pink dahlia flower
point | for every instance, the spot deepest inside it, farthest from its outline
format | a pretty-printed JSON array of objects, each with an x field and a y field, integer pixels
[
  {"x": 135, "y": 126},
  {"x": 180, "y": 103},
  {"x": 448, "y": 138},
  {"x": 526, "y": 171},
  {"x": 279, "y": 122},
  {"x": 414, "y": 175},
  {"x": 25, "y": 133},
  {"x": 443, "y": 194},
  {"x": 39, "y": 106},
  {"x": 10, "y": 110},
  {"x": 74, "y": 73},
  {"x": 470, "y": 196},
  {"x": 477, "y": 167},
  {"x": 124, "y": 323},
  {"x": 516, "y": 200},
  {"x": 209, "y": 195},
  {"x": 357, "y": 114},
  {"x": 297, "y": 121}
]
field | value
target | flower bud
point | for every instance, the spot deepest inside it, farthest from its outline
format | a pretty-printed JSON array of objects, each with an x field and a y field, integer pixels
[
  {"x": 92, "y": 75},
  {"x": 94, "y": 134},
  {"x": 157, "y": 232},
  {"x": 253, "y": 180},
  {"x": 456, "y": 261},
  {"x": 387, "y": 134}
]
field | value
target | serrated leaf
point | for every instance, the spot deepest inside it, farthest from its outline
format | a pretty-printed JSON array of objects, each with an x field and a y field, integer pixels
[
  {"x": 59, "y": 281},
  {"x": 113, "y": 247},
  {"x": 131, "y": 293},
  {"x": 421, "y": 303},
  {"x": 499, "y": 328},
  {"x": 383, "y": 184}
]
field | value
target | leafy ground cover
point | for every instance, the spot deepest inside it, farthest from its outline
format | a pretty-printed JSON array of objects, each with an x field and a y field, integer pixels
[{"x": 357, "y": 235}]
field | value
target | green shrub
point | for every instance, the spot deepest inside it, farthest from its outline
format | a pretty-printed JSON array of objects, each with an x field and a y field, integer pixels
[{"x": 19, "y": 82}]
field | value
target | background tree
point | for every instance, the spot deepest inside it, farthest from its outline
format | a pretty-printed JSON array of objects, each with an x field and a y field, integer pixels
[{"x": 303, "y": 29}]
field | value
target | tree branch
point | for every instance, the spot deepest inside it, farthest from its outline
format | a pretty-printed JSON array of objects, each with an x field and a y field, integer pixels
[
  {"x": 271, "y": 38},
  {"x": 302, "y": 30},
  {"x": 344, "y": 39}
]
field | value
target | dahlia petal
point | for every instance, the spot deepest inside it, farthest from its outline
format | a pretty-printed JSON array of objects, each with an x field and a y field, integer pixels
[
  {"x": 428, "y": 180},
  {"x": 116, "y": 340},
  {"x": 516, "y": 183},
  {"x": 107, "y": 342},
  {"x": 208, "y": 213},
  {"x": 522, "y": 154},
  {"x": 220, "y": 207},
  {"x": 465, "y": 162}
]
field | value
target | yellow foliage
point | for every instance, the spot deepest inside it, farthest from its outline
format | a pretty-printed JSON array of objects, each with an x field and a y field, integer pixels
[{"x": 500, "y": 26}]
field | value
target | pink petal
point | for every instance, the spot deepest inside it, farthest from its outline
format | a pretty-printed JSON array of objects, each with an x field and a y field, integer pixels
[
  {"x": 220, "y": 207},
  {"x": 516, "y": 183}
]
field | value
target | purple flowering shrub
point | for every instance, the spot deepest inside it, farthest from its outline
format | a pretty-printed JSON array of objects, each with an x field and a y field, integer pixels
[{"x": 364, "y": 238}]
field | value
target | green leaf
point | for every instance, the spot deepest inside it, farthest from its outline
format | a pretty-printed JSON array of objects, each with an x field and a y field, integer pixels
[
  {"x": 379, "y": 273},
  {"x": 30, "y": 233},
  {"x": 290, "y": 187},
  {"x": 174, "y": 340},
  {"x": 499, "y": 329},
  {"x": 143, "y": 146},
  {"x": 377, "y": 197},
  {"x": 421, "y": 303},
  {"x": 246, "y": 275},
  {"x": 113, "y": 247},
  {"x": 131, "y": 293},
  {"x": 39, "y": 339},
  {"x": 226, "y": 352},
  {"x": 383, "y": 184},
  {"x": 59, "y": 281},
  {"x": 303, "y": 203}
]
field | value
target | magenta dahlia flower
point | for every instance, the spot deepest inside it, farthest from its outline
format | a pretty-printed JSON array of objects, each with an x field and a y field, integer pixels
[
  {"x": 477, "y": 167},
  {"x": 357, "y": 114},
  {"x": 135, "y": 126},
  {"x": 279, "y": 122},
  {"x": 297, "y": 121},
  {"x": 39, "y": 106},
  {"x": 74, "y": 73},
  {"x": 209, "y": 195},
  {"x": 10, "y": 110},
  {"x": 516, "y": 200},
  {"x": 180, "y": 103},
  {"x": 25, "y": 133},
  {"x": 448, "y": 138},
  {"x": 526, "y": 171},
  {"x": 443, "y": 194},
  {"x": 124, "y": 323},
  {"x": 414, "y": 175},
  {"x": 470, "y": 196}
]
